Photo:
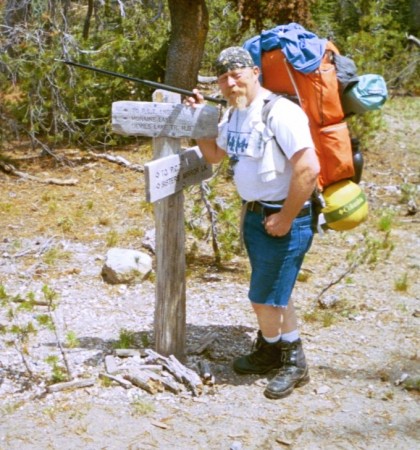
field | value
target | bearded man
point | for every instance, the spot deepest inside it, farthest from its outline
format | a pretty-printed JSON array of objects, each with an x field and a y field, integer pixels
[{"x": 275, "y": 170}]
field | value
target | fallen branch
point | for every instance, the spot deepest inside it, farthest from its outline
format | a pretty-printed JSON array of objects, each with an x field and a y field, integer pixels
[
  {"x": 413, "y": 39},
  {"x": 202, "y": 346},
  {"x": 117, "y": 378},
  {"x": 333, "y": 283},
  {"x": 146, "y": 381},
  {"x": 205, "y": 191},
  {"x": 170, "y": 384},
  {"x": 38, "y": 250},
  {"x": 111, "y": 366},
  {"x": 34, "y": 302},
  {"x": 126, "y": 352},
  {"x": 205, "y": 372},
  {"x": 10, "y": 169},
  {"x": 75, "y": 384},
  {"x": 118, "y": 160},
  {"x": 180, "y": 372}
]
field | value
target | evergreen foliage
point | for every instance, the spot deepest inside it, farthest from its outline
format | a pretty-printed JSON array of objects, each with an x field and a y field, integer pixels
[
  {"x": 374, "y": 34},
  {"x": 53, "y": 104},
  {"x": 264, "y": 13}
]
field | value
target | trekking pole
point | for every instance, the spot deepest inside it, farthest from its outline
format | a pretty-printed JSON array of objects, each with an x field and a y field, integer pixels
[{"x": 153, "y": 84}]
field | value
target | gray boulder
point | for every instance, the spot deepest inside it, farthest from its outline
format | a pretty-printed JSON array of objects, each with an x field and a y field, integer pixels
[{"x": 123, "y": 266}]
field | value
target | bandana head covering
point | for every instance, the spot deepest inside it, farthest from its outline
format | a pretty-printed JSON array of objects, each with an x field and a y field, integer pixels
[{"x": 233, "y": 58}]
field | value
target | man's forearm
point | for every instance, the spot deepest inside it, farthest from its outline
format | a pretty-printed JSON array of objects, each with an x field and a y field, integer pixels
[
  {"x": 302, "y": 184},
  {"x": 301, "y": 187},
  {"x": 211, "y": 152},
  {"x": 304, "y": 174}
]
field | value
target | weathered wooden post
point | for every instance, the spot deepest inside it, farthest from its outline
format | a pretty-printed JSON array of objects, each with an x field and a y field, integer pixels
[
  {"x": 167, "y": 120},
  {"x": 170, "y": 306}
]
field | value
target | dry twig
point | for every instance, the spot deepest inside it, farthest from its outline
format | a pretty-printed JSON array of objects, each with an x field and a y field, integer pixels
[
  {"x": 118, "y": 160},
  {"x": 10, "y": 169}
]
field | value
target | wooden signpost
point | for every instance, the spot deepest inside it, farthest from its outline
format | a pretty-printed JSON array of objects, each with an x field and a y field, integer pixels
[
  {"x": 167, "y": 121},
  {"x": 170, "y": 174},
  {"x": 163, "y": 119}
]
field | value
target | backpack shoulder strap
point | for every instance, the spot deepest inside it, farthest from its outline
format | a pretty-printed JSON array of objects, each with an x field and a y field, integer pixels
[
  {"x": 230, "y": 112},
  {"x": 269, "y": 102},
  {"x": 268, "y": 106}
]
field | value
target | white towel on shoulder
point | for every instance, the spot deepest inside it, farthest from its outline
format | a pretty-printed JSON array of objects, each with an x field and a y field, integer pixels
[{"x": 273, "y": 160}]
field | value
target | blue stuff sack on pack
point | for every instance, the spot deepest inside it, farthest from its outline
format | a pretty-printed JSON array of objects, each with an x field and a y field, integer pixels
[{"x": 368, "y": 94}]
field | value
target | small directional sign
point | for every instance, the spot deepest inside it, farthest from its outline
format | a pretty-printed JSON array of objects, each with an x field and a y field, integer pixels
[
  {"x": 167, "y": 121},
  {"x": 173, "y": 120},
  {"x": 170, "y": 174}
]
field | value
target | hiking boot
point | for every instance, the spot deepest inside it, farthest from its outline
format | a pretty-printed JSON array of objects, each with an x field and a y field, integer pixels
[
  {"x": 264, "y": 358},
  {"x": 293, "y": 373}
]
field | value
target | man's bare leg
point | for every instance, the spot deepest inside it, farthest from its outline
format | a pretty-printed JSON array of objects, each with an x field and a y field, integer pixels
[{"x": 274, "y": 320}]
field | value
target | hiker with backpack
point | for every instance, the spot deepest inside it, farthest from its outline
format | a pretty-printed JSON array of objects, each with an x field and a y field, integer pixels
[{"x": 275, "y": 171}]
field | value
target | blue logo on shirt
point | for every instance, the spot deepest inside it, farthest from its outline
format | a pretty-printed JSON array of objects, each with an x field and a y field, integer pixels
[{"x": 237, "y": 143}]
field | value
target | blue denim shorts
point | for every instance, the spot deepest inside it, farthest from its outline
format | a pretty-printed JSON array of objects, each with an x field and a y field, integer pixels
[{"x": 275, "y": 261}]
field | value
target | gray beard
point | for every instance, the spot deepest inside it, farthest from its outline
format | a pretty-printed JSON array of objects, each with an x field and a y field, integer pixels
[{"x": 240, "y": 102}]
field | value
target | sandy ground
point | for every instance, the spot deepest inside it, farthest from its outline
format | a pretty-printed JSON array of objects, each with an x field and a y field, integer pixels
[{"x": 362, "y": 351}]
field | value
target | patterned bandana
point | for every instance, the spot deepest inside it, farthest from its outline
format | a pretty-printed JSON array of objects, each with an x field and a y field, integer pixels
[{"x": 233, "y": 58}]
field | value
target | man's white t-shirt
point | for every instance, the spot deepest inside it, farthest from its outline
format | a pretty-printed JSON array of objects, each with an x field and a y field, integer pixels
[{"x": 244, "y": 137}]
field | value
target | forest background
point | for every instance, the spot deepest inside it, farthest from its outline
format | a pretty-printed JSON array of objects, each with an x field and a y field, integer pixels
[{"x": 53, "y": 105}]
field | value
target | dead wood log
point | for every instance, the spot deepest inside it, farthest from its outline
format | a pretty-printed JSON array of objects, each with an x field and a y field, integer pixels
[
  {"x": 46, "y": 245},
  {"x": 167, "y": 381},
  {"x": 206, "y": 80},
  {"x": 413, "y": 39},
  {"x": 118, "y": 160},
  {"x": 170, "y": 384},
  {"x": 126, "y": 352},
  {"x": 180, "y": 372},
  {"x": 33, "y": 302},
  {"x": 117, "y": 378},
  {"x": 10, "y": 169},
  {"x": 146, "y": 374},
  {"x": 205, "y": 373},
  {"x": 205, "y": 191},
  {"x": 147, "y": 381},
  {"x": 157, "y": 368},
  {"x": 111, "y": 365},
  {"x": 75, "y": 384},
  {"x": 203, "y": 345},
  {"x": 136, "y": 364}
]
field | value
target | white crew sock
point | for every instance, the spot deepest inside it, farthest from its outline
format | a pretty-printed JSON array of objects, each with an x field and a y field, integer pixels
[
  {"x": 272, "y": 340},
  {"x": 291, "y": 336}
]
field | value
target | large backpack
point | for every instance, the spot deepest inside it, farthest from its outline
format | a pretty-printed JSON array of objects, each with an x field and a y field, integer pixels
[
  {"x": 342, "y": 205},
  {"x": 295, "y": 62}
]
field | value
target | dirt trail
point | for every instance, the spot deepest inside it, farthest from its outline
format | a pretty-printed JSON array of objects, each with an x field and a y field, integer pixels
[{"x": 361, "y": 351}]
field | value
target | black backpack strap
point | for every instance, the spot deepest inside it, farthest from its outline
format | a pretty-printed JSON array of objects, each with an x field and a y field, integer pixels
[
  {"x": 230, "y": 113},
  {"x": 271, "y": 99},
  {"x": 268, "y": 106}
]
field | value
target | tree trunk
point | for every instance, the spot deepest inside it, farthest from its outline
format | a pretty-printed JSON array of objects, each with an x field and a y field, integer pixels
[
  {"x": 88, "y": 16},
  {"x": 415, "y": 16},
  {"x": 189, "y": 27}
]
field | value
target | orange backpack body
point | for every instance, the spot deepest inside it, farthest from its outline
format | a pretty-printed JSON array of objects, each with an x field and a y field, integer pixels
[{"x": 319, "y": 96}]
